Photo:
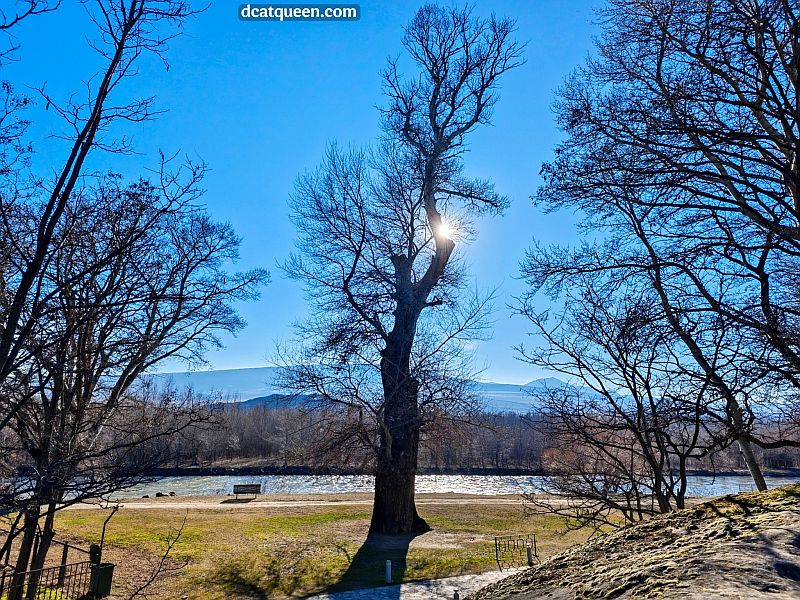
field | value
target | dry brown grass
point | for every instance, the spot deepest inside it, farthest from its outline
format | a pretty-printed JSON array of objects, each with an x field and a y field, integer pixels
[{"x": 290, "y": 548}]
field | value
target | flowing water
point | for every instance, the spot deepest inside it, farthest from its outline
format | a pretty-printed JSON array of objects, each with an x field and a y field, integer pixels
[{"x": 490, "y": 485}]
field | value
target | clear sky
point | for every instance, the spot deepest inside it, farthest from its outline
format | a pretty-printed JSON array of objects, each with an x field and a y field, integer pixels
[{"x": 259, "y": 102}]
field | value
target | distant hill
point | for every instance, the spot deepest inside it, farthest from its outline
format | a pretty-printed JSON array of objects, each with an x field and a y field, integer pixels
[
  {"x": 257, "y": 386},
  {"x": 514, "y": 398},
  {"x": 229, "y": 385},
  {"x": 273, "y": 401}
]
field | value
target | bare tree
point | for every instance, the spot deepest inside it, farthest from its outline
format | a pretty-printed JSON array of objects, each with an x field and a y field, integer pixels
[
  {"x": 125, "y": 31},
  {"x": 378, "y": 231},
  {"x": 138, "y": 274},
  {"x": 629, "y": 427},
  {"x": 680, "y": 149}
]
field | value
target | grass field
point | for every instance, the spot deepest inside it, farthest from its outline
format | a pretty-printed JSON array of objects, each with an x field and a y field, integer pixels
[{"x": 284, "y": 550}]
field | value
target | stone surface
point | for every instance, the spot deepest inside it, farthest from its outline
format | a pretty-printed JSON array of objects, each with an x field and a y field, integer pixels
[
  {"x": 434, "y": 589},
  {"x": 745, "y": 546}
]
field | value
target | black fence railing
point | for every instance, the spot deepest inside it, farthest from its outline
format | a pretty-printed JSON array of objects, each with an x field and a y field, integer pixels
[
  {"x": 67, "y": 577},
  {"x": 64, "y": 582},
  {"x": 515, "y": 550}
]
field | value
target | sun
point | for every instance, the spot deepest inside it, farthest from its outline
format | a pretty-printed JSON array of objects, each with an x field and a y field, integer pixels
[{"x": 444, "y": 230}]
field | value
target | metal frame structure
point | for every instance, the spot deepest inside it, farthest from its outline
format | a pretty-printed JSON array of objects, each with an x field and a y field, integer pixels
[{"x": 515, "y": 550}]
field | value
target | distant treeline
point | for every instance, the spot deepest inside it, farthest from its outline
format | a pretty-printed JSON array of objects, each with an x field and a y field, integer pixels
[{"x": 270, "y": 439}]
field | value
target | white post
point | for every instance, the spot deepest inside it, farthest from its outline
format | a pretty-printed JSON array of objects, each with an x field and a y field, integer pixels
[{"x": 388, "y": 571}]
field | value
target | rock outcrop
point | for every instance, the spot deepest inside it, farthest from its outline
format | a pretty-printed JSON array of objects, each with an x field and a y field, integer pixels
[{"x": 744, "y": 546}]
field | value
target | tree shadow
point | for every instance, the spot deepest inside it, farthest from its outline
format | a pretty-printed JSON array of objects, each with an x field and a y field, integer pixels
[{"x": 368, "y": 567}]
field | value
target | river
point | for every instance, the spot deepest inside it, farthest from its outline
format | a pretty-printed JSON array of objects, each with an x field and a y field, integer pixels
[{"x": 489, "y": 485}]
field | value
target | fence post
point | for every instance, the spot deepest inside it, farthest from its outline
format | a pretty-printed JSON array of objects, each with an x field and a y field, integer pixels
[
  {"x": 35, "y": 550},
  {"x": 62, "y": 570}
]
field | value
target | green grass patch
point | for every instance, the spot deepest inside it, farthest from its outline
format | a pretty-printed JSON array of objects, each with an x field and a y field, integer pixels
[{"x": 299, "y": 525}]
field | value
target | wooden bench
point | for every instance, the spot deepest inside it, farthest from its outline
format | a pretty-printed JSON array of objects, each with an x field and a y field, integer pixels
[{"x": 246, "y": 488}]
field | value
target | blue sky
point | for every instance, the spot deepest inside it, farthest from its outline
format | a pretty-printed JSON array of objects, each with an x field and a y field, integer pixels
[{"x": 259, "y": 102}]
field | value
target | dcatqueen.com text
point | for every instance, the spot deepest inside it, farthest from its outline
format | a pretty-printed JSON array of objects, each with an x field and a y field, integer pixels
[{"x": 299, "y": 12}]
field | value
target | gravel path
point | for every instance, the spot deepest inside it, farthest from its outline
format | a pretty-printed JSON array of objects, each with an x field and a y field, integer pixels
[
  {"x": 217, "y": 503},
  {"x": 433, "y": 589}
]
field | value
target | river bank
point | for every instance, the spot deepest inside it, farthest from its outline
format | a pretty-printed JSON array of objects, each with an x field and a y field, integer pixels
[
  {"x": 743, "y": 547},
  {"x": 281, "y": 501},
  {"x": 292, "y": 545}
]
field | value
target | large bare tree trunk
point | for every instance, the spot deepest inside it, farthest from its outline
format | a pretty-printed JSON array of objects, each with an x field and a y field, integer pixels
[{"x": 394, "y": 510}]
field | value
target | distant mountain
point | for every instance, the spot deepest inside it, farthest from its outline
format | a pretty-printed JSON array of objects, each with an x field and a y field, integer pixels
[
  {"x": 273, "y": 401},
  {"x": 515, "y": 398},
  {"x": 229, "y": 385},
  {"x": 257, "y": 387}
]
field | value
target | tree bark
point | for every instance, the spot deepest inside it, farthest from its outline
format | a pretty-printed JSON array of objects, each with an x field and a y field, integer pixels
[
  {"x": 738, "y": 419},
  {"x": 29, "y": 526},
  {"x": 394, "y": 510},
  {"x": 45, "y": 540},
  {"x": 752, "y": 464}
]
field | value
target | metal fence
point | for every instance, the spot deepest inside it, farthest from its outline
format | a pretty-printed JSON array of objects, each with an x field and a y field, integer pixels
[
  {"x": 515, "y": 550},
  {"x": 64, "y": 582},
  {"x": 66, "y": 577}
]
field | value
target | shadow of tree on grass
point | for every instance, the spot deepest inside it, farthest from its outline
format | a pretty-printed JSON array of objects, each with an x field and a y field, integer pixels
[{"x": 368, "y": 567}]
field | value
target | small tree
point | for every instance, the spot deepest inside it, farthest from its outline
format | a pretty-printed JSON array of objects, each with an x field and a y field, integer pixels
[
  {"x": 378, "y": 235},
  {"x": 628, "y": 428}
]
